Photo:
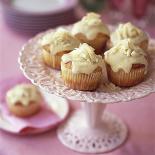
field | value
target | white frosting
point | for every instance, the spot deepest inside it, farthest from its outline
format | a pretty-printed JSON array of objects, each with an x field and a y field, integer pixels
[
  {"x": 130, "y": 31},
  {"x": 23, "y": 93},
  {"x": 46, "y": 39},
  {"x": 83, "y": 59},
  {"x": 90, "y": 26},
  {"x": 124, "y": 54},
  {"x": 59, "y": 41}
]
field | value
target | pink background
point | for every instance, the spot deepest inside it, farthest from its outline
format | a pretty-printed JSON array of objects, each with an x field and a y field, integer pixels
[{"x": 139, "y": 115}]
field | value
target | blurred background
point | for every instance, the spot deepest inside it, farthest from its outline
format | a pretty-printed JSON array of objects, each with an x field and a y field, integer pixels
[{"x": 33, "y": 16}]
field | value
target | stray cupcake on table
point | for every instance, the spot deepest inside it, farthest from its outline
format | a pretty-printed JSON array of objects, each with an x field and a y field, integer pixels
[
  {"x": 82, "y": 57},
  {"x": 24, "y": 100}
]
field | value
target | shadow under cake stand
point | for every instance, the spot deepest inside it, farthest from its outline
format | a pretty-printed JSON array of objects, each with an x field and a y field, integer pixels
[{"x": 91, "y": 129}]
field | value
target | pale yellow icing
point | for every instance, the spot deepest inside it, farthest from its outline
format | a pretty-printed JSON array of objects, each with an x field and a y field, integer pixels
[
  {"x": 124, "y": 54},
  {"x": 23, "y": 93},
  {"x": 59, "y": 41},
  {"x": 46, "y": 39},
  {"x": 83, "y": 59},
  {"x": 128, "y": 30},
  {"x": 90, "y": 26}
]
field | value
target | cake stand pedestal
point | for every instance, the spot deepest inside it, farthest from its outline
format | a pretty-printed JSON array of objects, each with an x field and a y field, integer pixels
[{"x": 91, "y": 129}]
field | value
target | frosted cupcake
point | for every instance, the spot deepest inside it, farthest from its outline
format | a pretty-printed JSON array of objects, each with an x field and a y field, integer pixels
[
  {"x": 130, "y": 31},
  {"x": 126, "y": 63},
  {"x": 54, "y": 45},
  {"x": 82, "y": 69},
  {"x": 93, "y": 31},
  {"x": 24, "y": 100}
]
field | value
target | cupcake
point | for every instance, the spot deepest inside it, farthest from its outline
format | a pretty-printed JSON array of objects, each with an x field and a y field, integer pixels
[
  {"x": 129, "y": 31},
  {"x": 93, "y": 31},
  {"x": 126, "y": 63},
  {"x": 24, "y": 100},
  {"x": 82, "y": 69},
  {"x": 54, "y": 45}
]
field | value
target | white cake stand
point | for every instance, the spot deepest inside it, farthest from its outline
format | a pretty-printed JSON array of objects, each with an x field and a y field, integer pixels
[{"x": 88, "y": 130}]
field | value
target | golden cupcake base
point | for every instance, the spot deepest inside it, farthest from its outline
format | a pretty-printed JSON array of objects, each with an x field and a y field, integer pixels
[
  {"x": 53, "y": 61},
  {"x": 24, "y": 111},
  {"x": 98, "y": 43},
  {"x": 120, "y": 78}
]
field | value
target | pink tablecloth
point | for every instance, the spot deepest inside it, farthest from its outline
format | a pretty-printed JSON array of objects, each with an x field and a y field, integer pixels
[{"x": 138, "y": 114}]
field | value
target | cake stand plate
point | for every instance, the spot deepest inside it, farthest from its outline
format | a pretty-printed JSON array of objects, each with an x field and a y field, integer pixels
[{"x": 90, "y": 130}]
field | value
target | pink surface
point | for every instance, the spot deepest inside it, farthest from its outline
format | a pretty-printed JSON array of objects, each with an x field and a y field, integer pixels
[
  {"x": 139, "y": 114},
  {"x": 45, "y": 118}
]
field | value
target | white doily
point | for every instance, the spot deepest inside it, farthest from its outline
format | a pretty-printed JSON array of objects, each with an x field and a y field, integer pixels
[
  {"x": 31, "y": 64},
  {"x": 75, "y": 135}
]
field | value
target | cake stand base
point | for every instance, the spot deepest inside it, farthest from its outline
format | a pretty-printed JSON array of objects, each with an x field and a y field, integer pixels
[{"x": 77, "y": 135}]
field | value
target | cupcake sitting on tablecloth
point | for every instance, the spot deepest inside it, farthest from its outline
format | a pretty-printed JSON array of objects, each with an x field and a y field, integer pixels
[{"x": 24, "y": 100}]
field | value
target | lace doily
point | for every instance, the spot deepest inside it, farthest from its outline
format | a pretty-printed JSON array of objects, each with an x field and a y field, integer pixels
[{"x": 34, "y": 69}]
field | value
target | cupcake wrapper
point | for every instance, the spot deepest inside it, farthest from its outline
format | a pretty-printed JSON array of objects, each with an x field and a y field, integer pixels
[
  {"x": 81, "y": 81},
  {"x": 123, "y": 79},
  {"x": 53, "y": 61}
]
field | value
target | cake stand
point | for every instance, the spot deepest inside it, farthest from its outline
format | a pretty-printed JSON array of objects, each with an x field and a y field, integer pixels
[{"x": 91, "y": 129}]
